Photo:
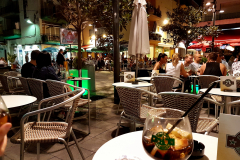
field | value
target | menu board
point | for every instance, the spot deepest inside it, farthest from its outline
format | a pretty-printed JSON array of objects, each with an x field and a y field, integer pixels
[{"x": 68, "y": 36}]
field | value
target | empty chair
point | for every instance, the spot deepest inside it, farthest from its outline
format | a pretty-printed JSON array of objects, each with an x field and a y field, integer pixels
[
  {"x": 12, "y": 73},
  {"x": 57, "y": 87},
  {"x": 36, "y": 88},
  {"x": 183, "y": 101},
  {"x": 204, "y": 82},
  {"x": 25, "y": 85},
  {"x": 133, "y": 110},
  {"x": 45, "y": 132},
  {"x": 8, "y": 86},
  {"x": 165, "y": 83}
]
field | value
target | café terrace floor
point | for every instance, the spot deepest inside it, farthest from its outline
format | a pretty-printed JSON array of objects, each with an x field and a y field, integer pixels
[{"x": 104, "y": 119}]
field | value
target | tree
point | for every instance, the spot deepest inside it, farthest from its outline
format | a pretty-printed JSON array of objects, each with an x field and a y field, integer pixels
[
  {"x": 79, "y": 13},
  {"x": 182, "y": 26}
]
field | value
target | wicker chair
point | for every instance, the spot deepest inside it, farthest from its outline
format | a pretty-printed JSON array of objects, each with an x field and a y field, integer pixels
[
  {"x": 36, "y": 88},
  {"x": 8, "y": 86},
  {"x": 25, "y": 85},
  {"x": 165, "y": 84},
  {"x": 204, "y": 82},
  {"x": 46, "y": 132},
  {"x": 11, "y": 73},
  {"x": 57, "y": 87},
  {"x": 184, "y": 101},
  {"x": 133, "y": 110}
]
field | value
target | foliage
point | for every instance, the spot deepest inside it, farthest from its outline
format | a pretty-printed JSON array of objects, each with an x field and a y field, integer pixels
[
  {"x": 80, "y": 13},
  {"x": 203, "y": 60},
  {"x": 11, "y": 57},
  {"x": 182, "y": 25}
]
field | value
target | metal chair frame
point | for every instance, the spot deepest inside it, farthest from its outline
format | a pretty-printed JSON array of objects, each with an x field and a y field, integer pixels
[
  {"x": 48, "y": 109},
  {"x": 194, "y": 113}
]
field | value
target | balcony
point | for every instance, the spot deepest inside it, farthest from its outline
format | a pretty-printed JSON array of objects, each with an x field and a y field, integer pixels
[
  {"x": 10, "y": 11},
  {"x": 12, "y": 34},
  {"x": 52, "y": 37},
  {"x": 222, "y": 16}
]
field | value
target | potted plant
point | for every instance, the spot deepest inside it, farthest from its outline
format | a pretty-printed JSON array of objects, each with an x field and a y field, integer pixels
[{"x": 11, "y": 58}]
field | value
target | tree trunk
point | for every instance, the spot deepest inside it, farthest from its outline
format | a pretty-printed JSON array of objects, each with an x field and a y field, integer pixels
[{"x": 79, "y": 49}]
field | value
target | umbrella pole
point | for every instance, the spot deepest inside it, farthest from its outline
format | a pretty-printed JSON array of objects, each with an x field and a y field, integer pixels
[{"x": 136, "y": 66}]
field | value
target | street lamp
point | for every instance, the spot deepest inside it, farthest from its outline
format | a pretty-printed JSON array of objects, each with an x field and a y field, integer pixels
[{"x": 213, "y": 9}]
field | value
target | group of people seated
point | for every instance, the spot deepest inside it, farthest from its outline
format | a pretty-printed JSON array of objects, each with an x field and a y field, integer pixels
[{"x": 189, "y": 67}]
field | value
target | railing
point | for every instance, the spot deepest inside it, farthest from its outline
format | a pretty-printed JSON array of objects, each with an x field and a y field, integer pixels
[
  {"x": 52, "y": 37},
  {"x": 13, "y": 8},
  {"x": 222, "y": 16}
]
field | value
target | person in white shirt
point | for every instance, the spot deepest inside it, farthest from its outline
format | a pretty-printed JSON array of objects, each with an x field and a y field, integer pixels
[
  {"x": 196, "y": 63},
  {"x": 176, "y": 69},
  {"x": 190, "y": 69}
]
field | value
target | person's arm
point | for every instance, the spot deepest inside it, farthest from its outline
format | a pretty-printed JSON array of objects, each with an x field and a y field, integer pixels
[
  {"x": 183, "y": 72},
  {"x": 3, "y": 137},
  {"x": 223, "y": 69},
  {"x": 202, "y": 69},
  {"x": 156, "y": 67}
]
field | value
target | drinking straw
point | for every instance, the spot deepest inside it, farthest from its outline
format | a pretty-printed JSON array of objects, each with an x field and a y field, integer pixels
[{"x": 186, "y": 113}]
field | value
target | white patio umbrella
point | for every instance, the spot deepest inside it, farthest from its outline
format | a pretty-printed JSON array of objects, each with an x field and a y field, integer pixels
[{"x": 139, "y": 35}]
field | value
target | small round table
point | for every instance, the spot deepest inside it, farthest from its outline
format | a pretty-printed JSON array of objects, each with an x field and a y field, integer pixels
[
  {"x": 140, "y": 84},
  {"x": 144, "y": 78},
  {"x": 78, "y": 79},
  {"x": 131, "y": 144},
  {"x": 13, "y": 101},
  {"x": 227, "y": 97}
]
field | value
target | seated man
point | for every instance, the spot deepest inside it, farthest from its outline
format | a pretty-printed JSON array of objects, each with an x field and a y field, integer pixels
[
  {"x": 212, "y": 67},
  {"x": 190, "y": 69},
  {"x": 29, "y": 67}
]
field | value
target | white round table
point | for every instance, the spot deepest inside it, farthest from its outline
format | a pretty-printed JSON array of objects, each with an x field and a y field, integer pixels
[
  {"x": 78, "y": 79},
  {"x": 144, "y": 78},
  {"x": 131, "y": 144},
  {"x": 12, "y": 101},
  {"x": 140, "y": 84},
  {"x": 227, "y": 96}
]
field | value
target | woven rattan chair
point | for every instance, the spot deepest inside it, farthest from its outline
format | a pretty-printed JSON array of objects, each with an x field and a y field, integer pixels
[
  {"x": 57, "y": 87},
  {"x": 133, "y": 110},
  {"x": 233, "y": 107},
  {"x": 165, "y": 84},
  {"x": 11, "y": 73},
  {"x": 184, "y": 101},
  {"x": 25, "y": 85},
  {"x": 48, "y": 132},
  {"x": 8, "y": 86},
  {"x": 204, "y": 82},
  {"x": 36, "y": 88}
]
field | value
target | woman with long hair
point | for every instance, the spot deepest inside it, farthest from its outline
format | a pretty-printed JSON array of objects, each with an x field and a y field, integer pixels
[
  {"x": 161, "y": 61},
  {"x": 176, "y": 69}
]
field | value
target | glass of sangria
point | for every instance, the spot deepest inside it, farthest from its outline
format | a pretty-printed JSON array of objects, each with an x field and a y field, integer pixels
[{"x": 161, "y": 145}]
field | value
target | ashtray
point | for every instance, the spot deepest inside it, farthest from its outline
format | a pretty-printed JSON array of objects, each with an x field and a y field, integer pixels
[
  {"x": 134, "y": 82},
  {"x": 198, "y": 150}
]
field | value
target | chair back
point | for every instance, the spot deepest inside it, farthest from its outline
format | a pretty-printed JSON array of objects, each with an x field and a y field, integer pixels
[
  {"x": 164, "y": 83},
  {"x": 25, "y": 85},
  {"x": 4, "y": 81},
  {"x": 206, "y": 80},
  {"x": 11, "y": 73},
  {"x": 130, "y": 99},
  {"x": 55, "y": 88},
  {"x": 36, "y": 88},
  {"x": 183, "y": 101}
]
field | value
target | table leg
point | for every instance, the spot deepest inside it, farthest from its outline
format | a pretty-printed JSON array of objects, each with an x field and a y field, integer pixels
[
  {"x": 227, "y": 108},
  {"x": 194, "y": 85}
]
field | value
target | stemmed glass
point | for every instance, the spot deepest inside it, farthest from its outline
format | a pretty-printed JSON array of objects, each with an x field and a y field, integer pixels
[{"x": 177, "y": 145}]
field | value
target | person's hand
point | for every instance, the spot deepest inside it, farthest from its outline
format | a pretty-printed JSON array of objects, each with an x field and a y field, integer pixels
[{"x": 3, "y": 136}]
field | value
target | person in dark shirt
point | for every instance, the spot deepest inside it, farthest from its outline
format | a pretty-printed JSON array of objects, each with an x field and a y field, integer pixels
[
  {"x": 28, "y": 68},
  {"x": 44, "y": 70},
  {"x": 60, "y": 58}
]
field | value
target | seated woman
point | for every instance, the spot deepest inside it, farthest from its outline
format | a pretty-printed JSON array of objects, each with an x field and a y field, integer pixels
[
  {"x": 212, "y": 67},
  {"x": 161, "y": 61},
  {"x": 44, "y": 70},
  {"x": 176, "y": 69}
]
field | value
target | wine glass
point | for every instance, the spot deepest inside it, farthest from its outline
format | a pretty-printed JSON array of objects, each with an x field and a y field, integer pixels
[
  {"x": 177, "y": 145},
  {"x": 4, "y": 113}
]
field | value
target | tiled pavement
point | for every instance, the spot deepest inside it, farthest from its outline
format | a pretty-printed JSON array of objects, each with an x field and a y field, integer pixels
[{"x": 104, "y": 120}]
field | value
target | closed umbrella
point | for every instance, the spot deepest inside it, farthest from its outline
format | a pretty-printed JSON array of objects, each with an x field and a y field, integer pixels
[{"x": 139, "y": 36}]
